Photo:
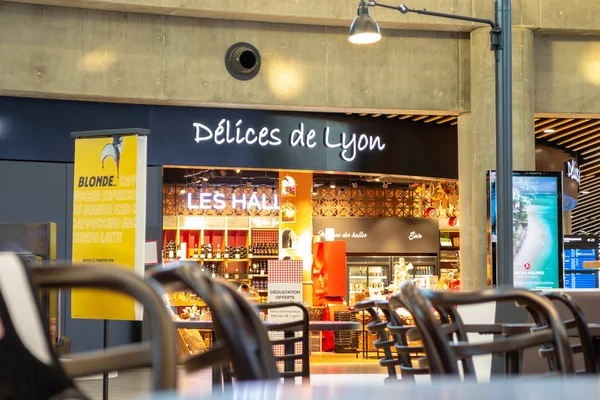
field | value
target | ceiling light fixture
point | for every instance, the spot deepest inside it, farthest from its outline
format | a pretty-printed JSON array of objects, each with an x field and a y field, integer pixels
[
  {"x": 182, "y": 191},
  {"x": 549, "y": 131},
  {"x": 332, "y": 185},
  {"x": 584, "y": 192},
  {"x": 237, "y": 171}
]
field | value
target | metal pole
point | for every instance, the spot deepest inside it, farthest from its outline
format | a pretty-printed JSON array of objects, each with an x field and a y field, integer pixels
[
  {"x": 105, "y": 375},
  {"x": 504, "y": 213}
]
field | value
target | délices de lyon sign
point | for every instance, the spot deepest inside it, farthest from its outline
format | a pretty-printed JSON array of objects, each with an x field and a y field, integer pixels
[{"x": 228, "y": 132}]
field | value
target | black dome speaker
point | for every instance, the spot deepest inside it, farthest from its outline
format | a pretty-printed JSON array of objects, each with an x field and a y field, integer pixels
[{"x": 242, "y": 61}]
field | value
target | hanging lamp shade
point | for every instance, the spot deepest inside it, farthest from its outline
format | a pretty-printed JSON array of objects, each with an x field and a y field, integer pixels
[{"x": 364, "y": 28}]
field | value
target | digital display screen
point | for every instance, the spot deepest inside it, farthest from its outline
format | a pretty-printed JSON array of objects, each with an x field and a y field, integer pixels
[
  {"x": 581, "y": 280},
  {"x": 537, "y": 228},
  {"x": 574, "y": 258}
]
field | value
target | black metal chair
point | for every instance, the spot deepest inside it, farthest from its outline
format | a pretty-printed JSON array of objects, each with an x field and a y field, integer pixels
[
  {"x": 411, "y": 358},
  {"x": 578, "y": 321},
  {"x": 383, "y": 341},
  {"x": 29, "y": 368},
  {"x": 443, "y": 354},
  {"x": 241, "y": 340},
  {"x": 160, "y": 353},
  {"x": 289, "y": 329}
]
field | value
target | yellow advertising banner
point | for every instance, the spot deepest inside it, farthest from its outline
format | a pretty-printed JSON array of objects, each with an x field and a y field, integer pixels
[{"x": 109, "y": 218}]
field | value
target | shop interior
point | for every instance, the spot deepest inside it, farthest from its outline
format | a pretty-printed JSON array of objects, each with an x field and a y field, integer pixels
[{"x": 234, "y": 223}]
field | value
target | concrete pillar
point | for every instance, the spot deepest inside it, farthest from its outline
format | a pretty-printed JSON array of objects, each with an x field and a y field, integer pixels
[{"x": 477, "y": 144}]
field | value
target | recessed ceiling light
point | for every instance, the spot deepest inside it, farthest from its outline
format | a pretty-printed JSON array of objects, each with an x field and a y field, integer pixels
[
  {"x": 584, "y": 192},
  {"x": 377, "y": 179},
  {"x": 182, "y": 191},
  {"x": 549, "y": 131},
  {"x": 237, "y": 171}
]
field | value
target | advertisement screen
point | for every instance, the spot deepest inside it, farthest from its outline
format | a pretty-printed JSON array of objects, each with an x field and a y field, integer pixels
[{"x": 537, "y": 228}]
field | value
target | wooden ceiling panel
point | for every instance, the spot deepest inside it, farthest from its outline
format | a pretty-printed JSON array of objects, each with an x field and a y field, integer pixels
[{"x": 579, "y": 136}]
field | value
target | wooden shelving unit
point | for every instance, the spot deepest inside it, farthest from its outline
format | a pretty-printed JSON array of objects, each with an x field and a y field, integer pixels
[{"x": 449, "y": 249}]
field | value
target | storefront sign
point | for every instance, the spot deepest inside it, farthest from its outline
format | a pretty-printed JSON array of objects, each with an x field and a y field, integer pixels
[
  {"x": 349, "y": 144},
  {"x": 383, "y": 235},
  {"x": 218, "y": 201},
  {"x": 572, "y": 171},
  {"x": 109, "y": 218},
  {"x": 263, "y": 139}
]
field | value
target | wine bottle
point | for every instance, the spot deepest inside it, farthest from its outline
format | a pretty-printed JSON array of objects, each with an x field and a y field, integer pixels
[
  {"x": 195, "y": 256},
  {"x": 250, "y": 251},
  {"x": 209, "y": 251},
  {"x": 226, "y": 252},
  {"x": 171, "y": 251},
  {"x": 218, "y": 253}
]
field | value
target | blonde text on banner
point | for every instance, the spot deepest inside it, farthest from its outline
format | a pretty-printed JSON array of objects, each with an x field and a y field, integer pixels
[{"x": 109, "y": 218}]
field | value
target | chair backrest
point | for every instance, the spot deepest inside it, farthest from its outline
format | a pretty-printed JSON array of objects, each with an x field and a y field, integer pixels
[
  {"x": 160, "y": 354},
  {"x": 29, "y": 368},
  {"x": 422, "y": 302},
  {"x": 573, "y": 318},
  {"x": 242, "y": 340},
  {"x": 290, "y": 338},
  {"x": 383, "y": 342},
  {"x": 408, "y": 354}
]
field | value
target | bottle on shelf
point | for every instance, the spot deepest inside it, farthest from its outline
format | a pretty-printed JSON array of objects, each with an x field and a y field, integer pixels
[
  {"x": 209, "y": 251},
  {"x": 171, "y": 250},
  {"x": 195, "y": 256},
  {"x": 236, "y": 253},
  {"x": 250, "y": 251},
  {"x": 218, "y": 253},
  {"x": 178, "y": 253},
  {"x": 226, "y": 252}
]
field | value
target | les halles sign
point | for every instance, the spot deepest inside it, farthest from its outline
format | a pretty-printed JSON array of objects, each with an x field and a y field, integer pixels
[{"x": 234, "y": 132}]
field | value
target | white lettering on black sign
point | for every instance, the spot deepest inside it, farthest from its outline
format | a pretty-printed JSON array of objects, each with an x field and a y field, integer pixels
[
  {"x": 349, "y": 144},
  {"x": 414, "y": 235},
  {"x": 573, "y": 171}
]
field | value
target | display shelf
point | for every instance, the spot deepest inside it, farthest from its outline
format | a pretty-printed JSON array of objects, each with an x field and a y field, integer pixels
[
  {"x": 266, "y": 257},
  {"x": 449, "y": 248},
  {"x": 186, "y": 303}
]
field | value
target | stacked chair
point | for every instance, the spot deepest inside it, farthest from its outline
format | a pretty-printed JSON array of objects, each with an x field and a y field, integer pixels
[
  {"x": 242, "y": 345},
  {"x": 245, "y": 354},
  {"x": 445, "y": 349},
  {"x": 29, "y": 368},
  {"x": 444, "y": 338}
]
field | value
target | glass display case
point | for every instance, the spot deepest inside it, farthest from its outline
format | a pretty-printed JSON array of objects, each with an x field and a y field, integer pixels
[
  {"x": 424, "y": 269},
  {"x": 368, "y": 277}
]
